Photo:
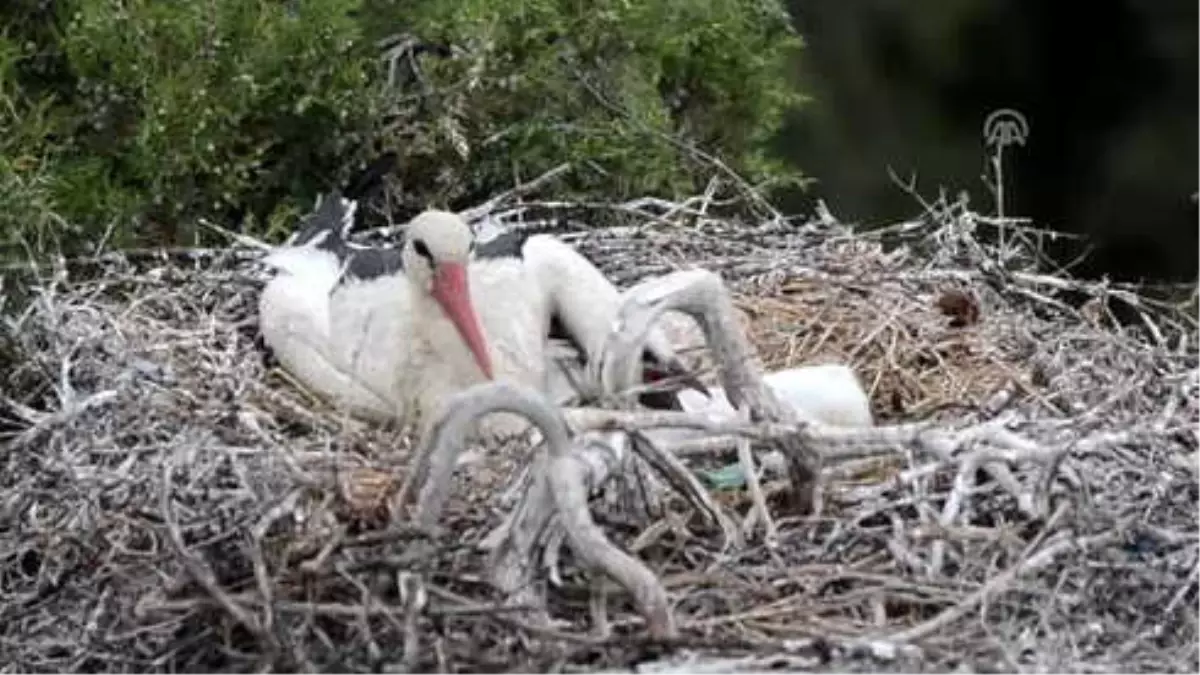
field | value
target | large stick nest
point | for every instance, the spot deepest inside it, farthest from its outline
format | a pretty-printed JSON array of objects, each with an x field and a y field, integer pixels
[{"x": 168, "y": 501}]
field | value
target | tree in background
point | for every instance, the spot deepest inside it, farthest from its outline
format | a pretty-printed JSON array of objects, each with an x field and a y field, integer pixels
[{"x": 128, "y": 120}]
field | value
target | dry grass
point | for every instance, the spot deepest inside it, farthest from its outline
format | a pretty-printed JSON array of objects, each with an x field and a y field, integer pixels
[{"x": 168, "y": 502}]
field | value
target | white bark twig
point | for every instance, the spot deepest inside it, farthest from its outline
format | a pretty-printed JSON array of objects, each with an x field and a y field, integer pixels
[
  {"x": 702, "y": 295},
  {"x": 564, "y": 477}
]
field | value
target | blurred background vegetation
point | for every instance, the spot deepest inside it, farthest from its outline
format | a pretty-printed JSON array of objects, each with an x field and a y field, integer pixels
[
  {"x": 132, "y": 119},
  {"x": 123, "y": 122},
  {"x": 1109, "y": 89}
]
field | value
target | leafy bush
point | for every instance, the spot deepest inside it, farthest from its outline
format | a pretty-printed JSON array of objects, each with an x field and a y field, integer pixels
[
  {"x": 613, "y": 83},
  {"x": 137, "y": 117},
  {"x": 26, "y": 188},
  {"x": 168, "y": 111}
]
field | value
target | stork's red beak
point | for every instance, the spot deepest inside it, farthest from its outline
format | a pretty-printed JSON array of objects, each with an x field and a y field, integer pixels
[{"x": 453, "y": 293}]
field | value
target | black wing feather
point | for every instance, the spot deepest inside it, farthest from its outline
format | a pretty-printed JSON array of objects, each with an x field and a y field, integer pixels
[{"x": 327, "y": 227}]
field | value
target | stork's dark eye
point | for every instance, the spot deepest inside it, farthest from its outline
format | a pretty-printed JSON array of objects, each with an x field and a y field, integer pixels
[{"x": 422, "y": 250}]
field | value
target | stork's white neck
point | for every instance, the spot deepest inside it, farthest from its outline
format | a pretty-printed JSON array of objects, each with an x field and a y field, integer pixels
[{"x": 446, "y": 363}]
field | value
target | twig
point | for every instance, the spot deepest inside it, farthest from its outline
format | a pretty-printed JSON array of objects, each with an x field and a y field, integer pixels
[
  {"x": 477, "y": 212},
  {"x": 756, "y": 493},
  {"x": 1000, "y": 582},
  {"x": 200, "y": 571}
]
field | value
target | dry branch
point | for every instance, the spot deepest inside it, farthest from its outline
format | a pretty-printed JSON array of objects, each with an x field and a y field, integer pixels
[
  {"x": 113, "y": 371},
  {"x": 565, "y": 475}
]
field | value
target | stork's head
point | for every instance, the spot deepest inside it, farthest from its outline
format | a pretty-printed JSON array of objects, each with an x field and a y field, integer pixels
[{"x": 436, "y": 254}]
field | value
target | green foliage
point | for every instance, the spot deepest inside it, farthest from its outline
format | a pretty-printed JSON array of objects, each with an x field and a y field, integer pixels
[
  {"x": 137, "y": 117},
  {"x": 625, "y": 87},
  {"x": 26, "y": 188}
]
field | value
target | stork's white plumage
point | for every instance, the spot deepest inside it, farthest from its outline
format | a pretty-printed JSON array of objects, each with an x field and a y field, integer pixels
[{"x": 389, "y": 334}]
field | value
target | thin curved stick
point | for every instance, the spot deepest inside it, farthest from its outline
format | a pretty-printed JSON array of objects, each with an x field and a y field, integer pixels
[
  {"x": 566, "y": 477},
  {"x": 702, "y": 295},
  {"x": 445, "y": 441}
]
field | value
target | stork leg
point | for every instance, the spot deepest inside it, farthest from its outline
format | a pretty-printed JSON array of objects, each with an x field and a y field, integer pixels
[{"x": 702, "y": 295}]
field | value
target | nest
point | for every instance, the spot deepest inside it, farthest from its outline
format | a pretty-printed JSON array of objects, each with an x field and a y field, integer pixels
[{"x": 171, "y": 502}]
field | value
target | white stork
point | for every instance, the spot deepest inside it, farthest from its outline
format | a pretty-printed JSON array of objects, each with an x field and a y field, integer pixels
[{"x": 388, "y": 333}]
